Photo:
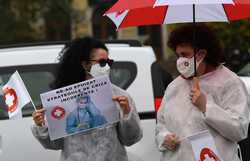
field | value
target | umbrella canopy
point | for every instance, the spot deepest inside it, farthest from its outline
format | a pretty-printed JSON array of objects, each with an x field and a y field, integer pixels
[
  {"x": 122, "y": 5},
  {"x": 152, "y": 12},
  {"x": 181, "y": 2}
]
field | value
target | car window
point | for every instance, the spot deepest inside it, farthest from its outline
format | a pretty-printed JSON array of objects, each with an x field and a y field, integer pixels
[
  {"x": 160, "y": 79},
  {"x": 123, "y": 74},
  {"x": 37, "y": 80},
  {"x": 245, "y": 71}
]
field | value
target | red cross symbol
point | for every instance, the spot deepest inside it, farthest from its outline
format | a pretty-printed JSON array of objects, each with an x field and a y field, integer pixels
[
  {"x": 58, "y": 113},
  {"x": 10, "y": 98},
  {"x": 208, "y": 155}
]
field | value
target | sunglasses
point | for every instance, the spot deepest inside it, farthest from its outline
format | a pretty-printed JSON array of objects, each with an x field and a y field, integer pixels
[{"x": 103, "y": 62}]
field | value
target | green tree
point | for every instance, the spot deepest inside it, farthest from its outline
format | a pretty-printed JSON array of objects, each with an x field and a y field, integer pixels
[
  {"x": 19, "y": 19},
  {"x": 235, "y": 37},
  {"x": 16, "y": 20},
  {"x": 58, "y": 20},
  {"x": 235, "y": 34}
]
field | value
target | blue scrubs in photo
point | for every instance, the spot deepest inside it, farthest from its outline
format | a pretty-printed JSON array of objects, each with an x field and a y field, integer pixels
[{"x": 85, "y": 116}]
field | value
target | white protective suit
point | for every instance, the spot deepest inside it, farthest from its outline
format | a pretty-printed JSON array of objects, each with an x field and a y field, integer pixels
[
  {"x": 105, "y": 144},
  {"x": 226, "y": 117}
]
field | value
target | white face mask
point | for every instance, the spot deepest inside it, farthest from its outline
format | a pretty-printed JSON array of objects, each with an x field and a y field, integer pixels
[
  {"x": 96, "y": 70},
  {"x": 186, "y": 66}
]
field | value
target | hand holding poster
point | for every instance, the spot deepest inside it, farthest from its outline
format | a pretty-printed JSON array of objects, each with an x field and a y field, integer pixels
[
  {"x": 79, "y": 107},
  {"x": 204, "y": 147}
]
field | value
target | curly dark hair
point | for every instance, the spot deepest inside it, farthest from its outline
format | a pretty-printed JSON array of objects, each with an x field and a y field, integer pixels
[
  {"x": 70, "y": 68},
  {"x": 205, "y": 39}
]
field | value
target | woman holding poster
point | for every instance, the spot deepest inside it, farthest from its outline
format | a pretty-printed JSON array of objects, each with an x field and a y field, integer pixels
[
  {"x": 216, "y": 100},
  {"x": 83, "y": 59}
]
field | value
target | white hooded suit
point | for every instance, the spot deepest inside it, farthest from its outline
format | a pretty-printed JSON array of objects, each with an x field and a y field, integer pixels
[{"x": 226, "y": 116}]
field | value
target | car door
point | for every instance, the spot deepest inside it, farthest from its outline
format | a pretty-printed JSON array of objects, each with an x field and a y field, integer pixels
[{"x": 17, "y": 142}]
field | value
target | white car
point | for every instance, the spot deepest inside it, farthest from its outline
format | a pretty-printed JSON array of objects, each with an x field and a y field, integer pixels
[{"x": 133, "y": 71}]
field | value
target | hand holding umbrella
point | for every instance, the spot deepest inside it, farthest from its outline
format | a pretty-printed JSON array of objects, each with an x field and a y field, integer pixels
[{"x": 197, "y": 97}]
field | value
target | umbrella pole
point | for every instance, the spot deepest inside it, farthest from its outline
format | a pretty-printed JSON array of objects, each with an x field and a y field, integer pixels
[{"x": 194, "y": 40}]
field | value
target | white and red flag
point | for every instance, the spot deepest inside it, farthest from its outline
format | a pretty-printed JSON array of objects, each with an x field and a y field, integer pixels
[
  {"x": 204, "y": 147},
  {"x": 16, "y": 96}
]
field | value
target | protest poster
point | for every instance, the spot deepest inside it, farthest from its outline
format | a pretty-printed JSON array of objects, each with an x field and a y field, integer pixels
[
  {"x": 80, "y": 107},
  {"x": 203, "y": 146}
]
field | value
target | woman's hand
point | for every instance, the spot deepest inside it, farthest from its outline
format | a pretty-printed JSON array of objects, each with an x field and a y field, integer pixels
[
  {"x": 38, "y": 117},
  {"x": 171, "y": 142},
  {"x": 197, "y": 97},
  {"x": 123, "y": 102}
]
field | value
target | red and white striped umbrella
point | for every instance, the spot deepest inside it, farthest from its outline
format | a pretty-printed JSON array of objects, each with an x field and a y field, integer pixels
[
  {"x": 126, "y": 13},
  {"x": 134, "y": 4},
  {"x": 181, "y": 2}
]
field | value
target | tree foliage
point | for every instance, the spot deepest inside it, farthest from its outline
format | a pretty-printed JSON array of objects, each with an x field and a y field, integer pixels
[
  {"x": 235, "y": 37},
  {"x": 19, "y": 20}
]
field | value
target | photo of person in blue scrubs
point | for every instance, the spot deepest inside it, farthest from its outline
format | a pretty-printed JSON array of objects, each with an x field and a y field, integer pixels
[{"x": 85, "y": 116}]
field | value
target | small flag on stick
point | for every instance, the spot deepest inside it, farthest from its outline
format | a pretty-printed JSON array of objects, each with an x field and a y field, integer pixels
[{"x": 16, "y": 96}]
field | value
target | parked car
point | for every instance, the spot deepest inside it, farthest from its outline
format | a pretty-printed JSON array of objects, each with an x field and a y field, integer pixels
[{"x": 134, "y": 70}]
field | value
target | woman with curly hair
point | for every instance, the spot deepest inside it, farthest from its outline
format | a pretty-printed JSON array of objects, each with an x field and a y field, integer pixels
[
  {"x": 215, "y": 100},
  {"x": 80, "y": 60}
]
